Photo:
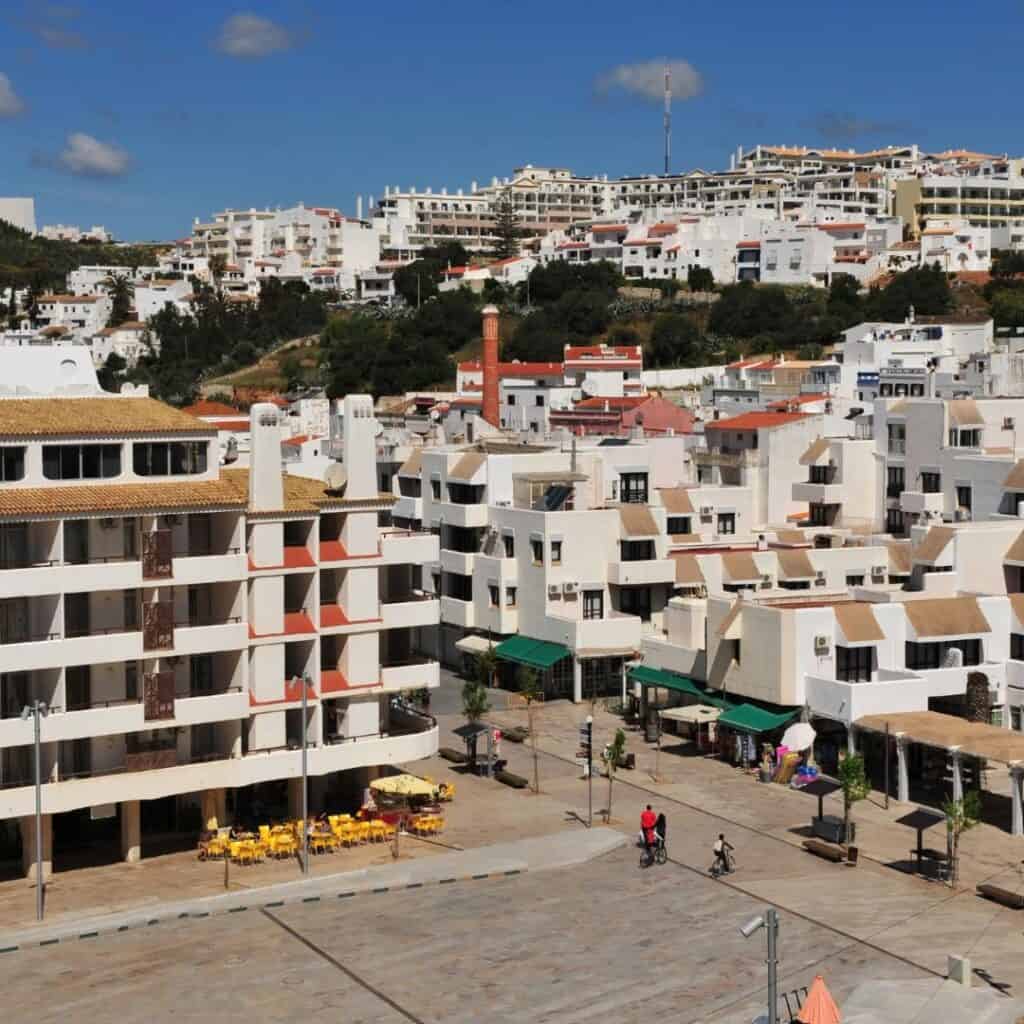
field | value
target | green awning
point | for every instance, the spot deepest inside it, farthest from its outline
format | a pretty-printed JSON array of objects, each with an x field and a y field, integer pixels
[
  {"x": 748, "y": 718},
  {"x": 535, "y": 653},
  {"x": 647, "y": 676}
]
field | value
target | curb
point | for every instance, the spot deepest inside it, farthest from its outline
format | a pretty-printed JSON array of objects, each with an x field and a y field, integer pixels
[{"x": 198, "y": 915}]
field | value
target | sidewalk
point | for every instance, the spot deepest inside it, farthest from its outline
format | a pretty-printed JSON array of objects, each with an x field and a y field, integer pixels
[{"x": 512, "y": 858}]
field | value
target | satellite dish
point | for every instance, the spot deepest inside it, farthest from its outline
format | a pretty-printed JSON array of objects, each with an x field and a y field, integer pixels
[{"x": 335, "y": 477}]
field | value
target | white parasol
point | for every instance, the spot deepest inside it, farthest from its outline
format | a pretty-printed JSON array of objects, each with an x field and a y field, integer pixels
[{"x": 799, "y": 736}]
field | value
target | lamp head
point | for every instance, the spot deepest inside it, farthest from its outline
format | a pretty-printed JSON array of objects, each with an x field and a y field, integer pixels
[
  {"x": 26, "y": 713},
  {"x": 752, "y": 926}
]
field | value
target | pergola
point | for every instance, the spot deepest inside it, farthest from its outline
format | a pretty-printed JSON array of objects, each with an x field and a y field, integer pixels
[{"x": 958, "y": 737}]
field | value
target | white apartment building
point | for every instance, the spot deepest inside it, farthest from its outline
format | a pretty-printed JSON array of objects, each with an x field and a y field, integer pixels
[
  {"x": 84, "y": 313},
  {"x": 19, "y": 211},
  {"x": 73, "y": 233},
  {"x": 127, "y": 340},
  {"x": 153, "y": 294},
  {"x": 170, "y": 613},
  {"x": 95, "y": 280}
]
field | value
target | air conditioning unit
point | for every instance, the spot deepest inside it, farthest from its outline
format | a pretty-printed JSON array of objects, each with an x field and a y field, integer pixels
[
  {"x": 554, "y": 590},
  {"x": 570, "y": 587},
  {"x": 1008, "y": 423},
  {"x": 822, "y": 645},
  {"x": 707, "y": 511},
  {"x": 820, "y": 575},
  {"x": 820, "y": 581},
  {"x": 878, "y": 570}
]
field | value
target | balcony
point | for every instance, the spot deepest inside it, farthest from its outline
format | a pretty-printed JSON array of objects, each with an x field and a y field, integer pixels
[
  {"x": 412, "y": 674},
  {"x": 735, "y": 457},
  {"x": 408, "y": 507},
  {"x": 209, "y": 568},
  {"x": 460, "y": 562},
  {"x": 412, "y": 610},
  {"x": 917, "y": 502},
  {"x": 891, "y": 692},
  {"x": 408, "y": 547},
  {"x": 623, "y": 574},
  {"x": 818, "y": 494},
  {"x": 461, "y": 515},
  {"x": 616, "y": 632},
  {"x": 457, "y": 613}
]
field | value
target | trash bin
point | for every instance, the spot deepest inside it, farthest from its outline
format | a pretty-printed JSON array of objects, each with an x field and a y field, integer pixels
[{"x": 651, "y": 726}]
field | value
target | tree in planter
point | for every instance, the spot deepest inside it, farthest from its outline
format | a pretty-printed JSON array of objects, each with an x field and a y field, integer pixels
[
  {"x": 474, "y": 706},
  {"x": 612, "y": 756},
  {"x": 486, "y": 667},
  {"x": 961, "y": 816},
  {"x": 854, "y": 782},
  {"x": 530, "y": 691}
]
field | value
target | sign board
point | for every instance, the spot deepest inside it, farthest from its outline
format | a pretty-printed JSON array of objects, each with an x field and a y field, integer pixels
[{"x": 102, "y": 811}]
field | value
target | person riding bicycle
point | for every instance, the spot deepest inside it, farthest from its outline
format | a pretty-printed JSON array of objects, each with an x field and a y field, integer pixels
[
  {"x": 722, "y": 850},
  {"x": 660, "y": 830},
  {"x": 648, "y": 821}
]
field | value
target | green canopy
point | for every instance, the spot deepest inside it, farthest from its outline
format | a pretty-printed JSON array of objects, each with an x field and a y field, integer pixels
[
  {"x": 748, "y": 718},
  {"x": 647, "y": 676},
  {"x": 535, "y": 653}
]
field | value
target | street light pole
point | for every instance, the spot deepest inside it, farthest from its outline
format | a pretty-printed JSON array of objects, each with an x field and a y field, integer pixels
[
  {"x": 590, "y": 771},
  {"x": 38, "y": 710},
  {"x": 769, "y": 921},
  {"x": 304, "y": 682}
]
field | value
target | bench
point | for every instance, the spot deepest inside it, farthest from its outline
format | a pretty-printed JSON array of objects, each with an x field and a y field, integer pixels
[
  {"x": 828, "y": 851},
  {"x": 1013, "y": 900}
]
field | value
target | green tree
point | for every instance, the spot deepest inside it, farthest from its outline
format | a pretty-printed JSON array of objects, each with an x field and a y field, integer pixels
[
  {"x": 1007, "y": 263},
  {"x": 854, "y": 782},
  {"x": 507, "y": 231},
  {"x": 475, "y": 702},
  {"x": 612, "y": 756},
  {"x": 700, "y": 279},
  {"x": 112, "y": 373},
  {"x": 844, "y": 300},
  {"x": 924, "y": 288},
  {"x": 675, "y": 341},
  {"x": 121, "y": 295},
  {"x": 486, "y": 667},
  {"x": 530, "y": 690},
  {"x": 1008, "y": 307},
  {"x": 218, "y": 265},
  {"x": 961, "y": 816}
]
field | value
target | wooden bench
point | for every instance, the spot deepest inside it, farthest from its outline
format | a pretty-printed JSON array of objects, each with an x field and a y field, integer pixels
[
  {"x": 828, "y": 851},
  {"x": 1013, "y": 900}
]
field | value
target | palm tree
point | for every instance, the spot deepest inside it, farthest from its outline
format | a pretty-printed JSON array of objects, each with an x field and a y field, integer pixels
[
  {"x": 120, "y": 291},
  {"x": 612, "y": 755},
  {"x": 530, "y": 690},
  {"x": 218, "y": 264}
]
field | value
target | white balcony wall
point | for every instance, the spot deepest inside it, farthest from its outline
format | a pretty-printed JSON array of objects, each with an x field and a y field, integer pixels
[
  {"x": 456, "y": 612},
  {"x": 411, "y": 677},
  {"x": 208, "y": 569},
  {"x": 640, "y": 573},
  {"x": 846, "y": 702},
  {"x": 412, "y": 613}
]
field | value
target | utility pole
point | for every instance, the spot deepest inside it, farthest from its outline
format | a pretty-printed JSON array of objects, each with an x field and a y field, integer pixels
[
  {"x": 37, "y": 711},
  {"x": 668, "y": 118},
  {"x": 304, "y": 682}
]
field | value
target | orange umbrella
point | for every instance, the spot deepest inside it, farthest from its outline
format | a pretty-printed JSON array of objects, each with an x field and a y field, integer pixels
[{"x": 819, "y": 1006}]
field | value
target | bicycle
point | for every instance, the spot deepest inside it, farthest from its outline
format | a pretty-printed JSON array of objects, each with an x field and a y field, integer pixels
[
  {"x": 657, "y": 854},
  {"x": 717, "y": 869}
]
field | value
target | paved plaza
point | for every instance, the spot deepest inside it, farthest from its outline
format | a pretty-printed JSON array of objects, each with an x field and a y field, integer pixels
[{"x": 564, "y": 944}]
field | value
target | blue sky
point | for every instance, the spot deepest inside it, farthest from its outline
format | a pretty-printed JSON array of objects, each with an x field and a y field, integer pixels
[{"x": 141, "y": 116}]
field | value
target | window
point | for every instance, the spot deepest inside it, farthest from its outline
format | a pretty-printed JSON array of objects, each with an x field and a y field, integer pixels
[
  {"x": 855, "y": 581},
  {"x": 12, "y": 463},
  {"x": 894, "y": 520},
  {"x": 131, "y": 680},
  {"x": 511, "y": 399},
  {"x": 637, "y": 550},
  {"x": 822, "y": 474},
  {"x": 934, "y": 654},
  {"x": 435, "y": 489},
  {"x": 931, "y": 483},
  {"x": 633, "y": 488},
  {"x": 1017, "y": 646},
  {"x": 494, "y": 593},
  {"x": 537, "y": 551},
  {"x": 131, "y": 610},
  {"x": 853, "y": 664},
  {"x": 539, "y": 400},
  {"x": 81, "y": 461},
  {"x": 200, "y": 671},
  {"x": 556, "y": 552},
  {"x": 1015, "y": 718},
  {"x": 895, "y": 481},
  {"x": 593, "y": 604},
  {"x": 963, "y": 498},
  {"x": 897, "y": 438},
  {"x": 820, "y": 515},
  {"x": 677, "y": 525},
  {"x": 169, "y": 458},
  {"x": 510, "y": 597},
  {"x": 637, "y": 601},
  {"x": 726, "y": 522},
  {"x": 509, "y": 541}
]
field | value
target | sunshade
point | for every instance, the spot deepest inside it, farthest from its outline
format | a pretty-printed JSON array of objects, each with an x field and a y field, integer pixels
[
  {"x": 799, "y": 736},
  {"x": 403, "y": 785},
  {"x": 819, "y": 1006},
  {"x": 648, "y": 676},
  {"x": 749, "y": 718},
  {"x": 692, "y": 713},
  {"x": 535, "y": 653}
]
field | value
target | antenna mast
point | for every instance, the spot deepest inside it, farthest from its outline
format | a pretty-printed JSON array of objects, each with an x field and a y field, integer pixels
[{"x": 668, "y": 117}]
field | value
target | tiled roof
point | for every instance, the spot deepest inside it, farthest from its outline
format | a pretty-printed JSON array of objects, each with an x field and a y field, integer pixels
[
  {"x": 205, "y": 408},
  {"x": 603, "y": 352},
  {"x": 95, "y": 417},
  {"x": 300, "y": 493},
  {"x": 755, "y": 421},
  {"x": 612, "y": 402}
]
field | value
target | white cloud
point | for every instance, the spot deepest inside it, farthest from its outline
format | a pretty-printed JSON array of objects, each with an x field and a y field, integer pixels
[
  {"x": 647, "y": 79},
  {"x": 249, "y": 35},
  {"x": 11, "y": 103},
  {"x": 90, "y": 158}
]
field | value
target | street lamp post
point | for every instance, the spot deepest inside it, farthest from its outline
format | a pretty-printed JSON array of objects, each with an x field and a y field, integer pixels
[
  {"x": 304, "y": 682},
  {"x": 769, "y": 921},
  {"x": 38, "y": 710}
]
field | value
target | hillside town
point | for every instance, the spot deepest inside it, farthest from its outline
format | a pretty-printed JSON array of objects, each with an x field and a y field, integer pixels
[{"x": 344, "y": 552}]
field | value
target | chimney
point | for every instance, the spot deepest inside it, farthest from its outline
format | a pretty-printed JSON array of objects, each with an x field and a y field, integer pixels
[
  {"x": 266, "y": 491},
  {"x": 359, "y": 207},
  {"x": 490, "y": 362},
  {"x": 360, "y": 440}
]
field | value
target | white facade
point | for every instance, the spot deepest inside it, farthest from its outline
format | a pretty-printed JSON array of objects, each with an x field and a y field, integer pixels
[
  {"x": 20, "y": 211},
  {"x": 167, "y": 611}
]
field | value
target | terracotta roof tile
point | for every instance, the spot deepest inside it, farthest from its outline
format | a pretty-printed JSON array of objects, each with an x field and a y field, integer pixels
[{"x": 99, "y": 417}]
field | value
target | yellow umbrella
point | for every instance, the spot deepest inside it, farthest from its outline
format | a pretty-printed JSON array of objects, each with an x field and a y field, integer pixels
[{"x": 403, "y": 785}]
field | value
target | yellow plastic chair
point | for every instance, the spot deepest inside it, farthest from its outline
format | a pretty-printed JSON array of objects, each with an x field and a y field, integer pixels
[
  {"x": 349, "y": 834},
  {"x": 389, "y": 830},
  {"x": 363, "y": 831},
  {"x": 378, "y": 831},
  {"x": 265, "y": 834}
]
